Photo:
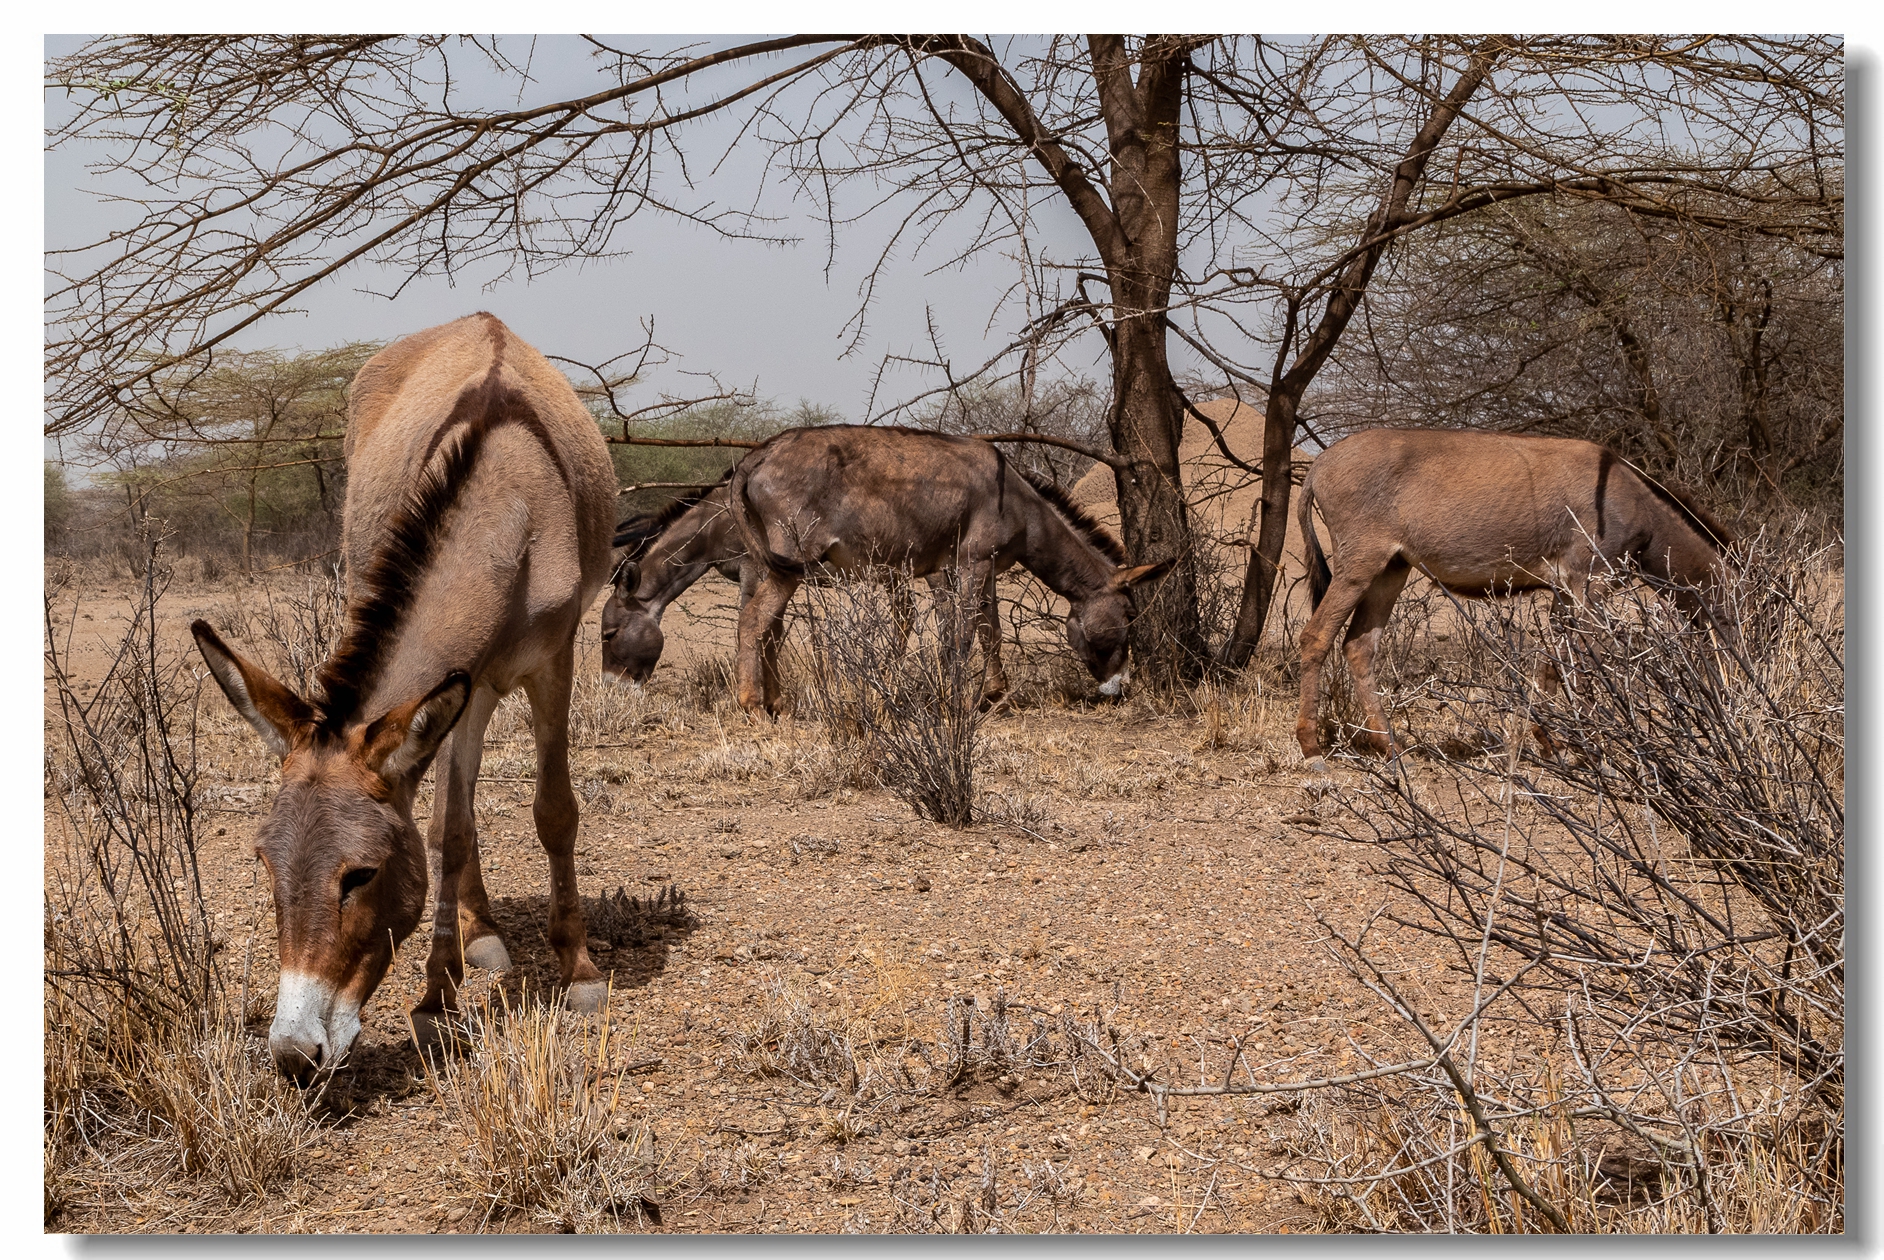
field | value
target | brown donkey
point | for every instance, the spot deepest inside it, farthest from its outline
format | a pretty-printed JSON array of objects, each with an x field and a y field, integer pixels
[
  {"x": 1481, "y": 514},
  {"x": 950, "y": 509},
  {"x": 665, "y": 552},
  {"x": 478, "y": 513}
]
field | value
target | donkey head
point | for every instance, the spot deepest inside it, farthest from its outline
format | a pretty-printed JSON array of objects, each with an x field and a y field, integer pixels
[
  {"x": 1097, "y": 625},
  {"x": 345, "y": 860},
  {"x": 631, "y": 633}
]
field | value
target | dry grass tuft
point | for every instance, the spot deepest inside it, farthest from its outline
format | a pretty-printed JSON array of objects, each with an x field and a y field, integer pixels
[
  {"x": 543, "y": 1104},
  {"x": 625, "y": 920}
]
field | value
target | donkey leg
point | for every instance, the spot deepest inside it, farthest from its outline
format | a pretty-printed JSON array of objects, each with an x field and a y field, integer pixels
[
  {"x": 483, "y": 943},
  {"x": 759, "y": 620},
  {"x": 1362, "y": 641},
  {"x": 1344, "y": 592},
  {"x": 556, "y": 816},
  {"x": 768, "y": 657},
  {"x": 988, "y": 626},
  {"x": 451, "y": 846},
  {"x": 1564, "y": 605}
]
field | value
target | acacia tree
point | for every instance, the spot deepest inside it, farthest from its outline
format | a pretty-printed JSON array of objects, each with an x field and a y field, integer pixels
[
  {"x": 253, "y": 438},
  {"x": 1702, "y": 356},
  {"x": 268, "y": 165}
]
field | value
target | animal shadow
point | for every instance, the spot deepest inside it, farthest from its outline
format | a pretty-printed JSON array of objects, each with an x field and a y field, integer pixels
[{"x": 630, "y": 938}]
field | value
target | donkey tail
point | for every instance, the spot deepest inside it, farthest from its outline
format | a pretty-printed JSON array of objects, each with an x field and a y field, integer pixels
[
  {"x": 1320, "y": 577},
  {"x": 751, "y": 528}
]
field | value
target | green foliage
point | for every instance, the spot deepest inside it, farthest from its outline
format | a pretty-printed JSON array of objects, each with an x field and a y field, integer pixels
[
  {"x": 243, "y": 459},
  {"x": 750, "y": 422},
  {"x": 58, "y": 503}
]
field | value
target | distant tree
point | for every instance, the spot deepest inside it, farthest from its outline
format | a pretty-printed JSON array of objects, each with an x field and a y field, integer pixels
[
  {"x": 251, "y": 440},
  {"x": 58, "y": 504}
]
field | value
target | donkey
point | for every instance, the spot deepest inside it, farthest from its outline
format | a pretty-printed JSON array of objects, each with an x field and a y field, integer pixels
[
  {"x": 666, "y": 552},
  {"x": 476, "y": 533},
  {"x": 949, "y": 509},
  {"x": 1481, "y": 514}
]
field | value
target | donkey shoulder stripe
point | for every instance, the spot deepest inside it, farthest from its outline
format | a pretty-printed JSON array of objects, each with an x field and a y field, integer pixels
[{"x": 387, "y": 584}]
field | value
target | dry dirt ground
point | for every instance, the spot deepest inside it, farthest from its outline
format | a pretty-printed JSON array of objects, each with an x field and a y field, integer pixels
[{"x": 1151, "y": 873}]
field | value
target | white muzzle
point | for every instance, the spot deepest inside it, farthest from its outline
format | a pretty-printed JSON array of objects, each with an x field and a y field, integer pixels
[{"x": 312, "y": 1030}]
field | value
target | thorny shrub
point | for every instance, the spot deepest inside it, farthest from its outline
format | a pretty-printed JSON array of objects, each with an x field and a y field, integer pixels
[
  {"x": 1661, "y": 885},
  {"x": 149, "y": 1074},
  {"x": 906, "y": 709}
]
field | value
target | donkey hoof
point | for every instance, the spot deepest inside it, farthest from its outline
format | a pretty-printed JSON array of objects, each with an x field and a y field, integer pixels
[
  {"x": 489, "y": 953},
  {"x": 434, "y": 1032},
  {"x": 587, "y": 996},
  {"x": 1318, "y": 777}
]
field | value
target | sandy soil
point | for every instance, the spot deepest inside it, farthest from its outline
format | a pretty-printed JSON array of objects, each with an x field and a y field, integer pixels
[{"x": 1168, "y": 883}]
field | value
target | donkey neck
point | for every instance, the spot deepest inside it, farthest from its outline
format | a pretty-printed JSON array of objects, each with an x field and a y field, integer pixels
[
  {"x": 698, "y": 539},
  {"x": 1054, "y": 550}
]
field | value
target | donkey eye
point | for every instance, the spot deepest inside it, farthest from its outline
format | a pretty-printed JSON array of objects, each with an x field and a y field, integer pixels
[{"x": 356, "y": 879}]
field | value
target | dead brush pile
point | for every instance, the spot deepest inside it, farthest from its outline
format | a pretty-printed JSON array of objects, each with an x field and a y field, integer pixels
[
  {"x": 877, "y": 1051},
  {"x": 150, "y": 1077},
  {"x": 1649, "y": 912}
]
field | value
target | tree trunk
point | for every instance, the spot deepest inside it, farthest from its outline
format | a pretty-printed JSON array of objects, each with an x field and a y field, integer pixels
[
  {"x": 1145, "y": 180},
  {"x": 1167, "y": 639},
  {"x": 1286, "y": 388},
  {"x": 1134, "y": 228}
]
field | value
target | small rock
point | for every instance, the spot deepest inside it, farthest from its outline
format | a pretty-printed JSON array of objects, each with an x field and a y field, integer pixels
[
  {"x": 599, "y": 946},
  {"x": 456, "y": 1214},
  {"x": 920, "y": 883}
]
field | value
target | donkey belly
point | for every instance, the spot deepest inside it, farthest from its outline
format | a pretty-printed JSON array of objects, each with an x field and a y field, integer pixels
[{"x": 1482, "y": 575}]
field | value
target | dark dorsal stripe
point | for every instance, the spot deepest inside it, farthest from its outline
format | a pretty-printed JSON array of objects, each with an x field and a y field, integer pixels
[
  {"x": 1603, "y": 465},
  {"x": 638, "y": 533},
  {"x": 382, "y": 592},
  {"x": 1077, "y": 517}
]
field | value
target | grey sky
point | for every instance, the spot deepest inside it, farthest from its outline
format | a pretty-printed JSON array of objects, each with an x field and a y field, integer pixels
[{"x": 755, "y": 314}]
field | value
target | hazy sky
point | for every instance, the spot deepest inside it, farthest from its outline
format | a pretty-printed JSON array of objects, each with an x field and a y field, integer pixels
[{"x": 753, "y": 313}]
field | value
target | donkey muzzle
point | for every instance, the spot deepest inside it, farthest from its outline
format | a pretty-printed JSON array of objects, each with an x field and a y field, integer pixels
[{"x": 311, "y": 1033}]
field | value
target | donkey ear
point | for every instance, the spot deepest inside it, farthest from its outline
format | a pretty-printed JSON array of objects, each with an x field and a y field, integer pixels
[
  {"x": 279, "y": 716},
  {"x": 626, "y": 577},
  {"x": 404, "y": 741},
  {"x": 1122, "y": 578}
]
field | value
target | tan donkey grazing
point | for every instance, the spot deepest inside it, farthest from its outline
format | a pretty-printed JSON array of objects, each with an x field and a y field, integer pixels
[
  {"x": 480, "y": 499},
  {"x": 1481, "y": 514},
  {"x": 950, "y": 509}
]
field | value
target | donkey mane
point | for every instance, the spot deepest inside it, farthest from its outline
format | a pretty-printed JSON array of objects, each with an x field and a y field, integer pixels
[
  {"x": 1682, "y": 500},
  {"x": 386, "y": 586},
  {"x": 638, "y": 533},
  {"x": 1081, "y": 521}
]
